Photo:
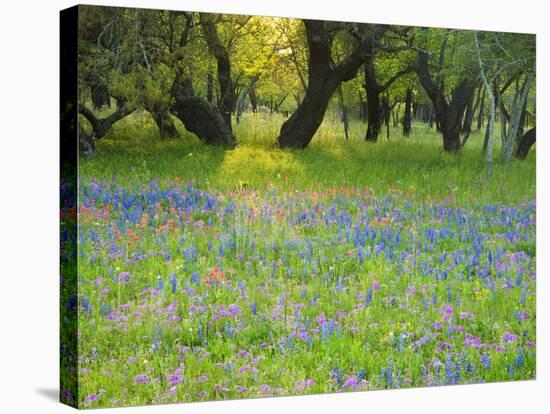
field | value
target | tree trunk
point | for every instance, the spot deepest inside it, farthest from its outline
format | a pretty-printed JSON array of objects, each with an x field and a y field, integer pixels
[
  {"x": 253, "y": 99},
  {"x": 448, "y": 114},
  {"x": 488, "y": 144},
  {"x": 100, "y": 126},
  {"x": 490, "y": 127},
  {"x": 407, "y": 117},
  {"x": 210, "y": 87},
  {"x": 200, "y": 117},
  {"x": 344, "y": 111},
  {"x": 512, "y": 138},
  {"x": 386, "y": 114},
  {"x": 494, "y": 99},
  {"x": 469, "y": 115},
  {"x": 227, "y": 96},
  {"x": 242, "y": 97},
  {"x": 481, "y": 112},
  {"x": 373, "y": 100},
  {"x": 323, "y": 80},
  {"x": 525, "y": 143}
]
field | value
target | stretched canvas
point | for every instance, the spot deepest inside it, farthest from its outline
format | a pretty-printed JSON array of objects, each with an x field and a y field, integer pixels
[{"x": 260, "y": 206}]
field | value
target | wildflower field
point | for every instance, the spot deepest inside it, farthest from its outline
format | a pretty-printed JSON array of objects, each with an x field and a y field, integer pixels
[{"x": 207, "y": 274}]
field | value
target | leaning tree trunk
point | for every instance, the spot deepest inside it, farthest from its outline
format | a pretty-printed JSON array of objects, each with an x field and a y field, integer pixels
[
  {"x": 200, "y": 117},
  {"x": 469, "y": 117},
  {"x": 100, "y": 127},
  {"x": 526, "y": 141},
  {"x": 299, "y": 129},
  {"x": 407, "y": 116},
  {"x": 323, "y": 80},
  {"x": 242, "y": 97},
  {"x": 471, "y": 107},
  {"x": 512, "y": 139}
]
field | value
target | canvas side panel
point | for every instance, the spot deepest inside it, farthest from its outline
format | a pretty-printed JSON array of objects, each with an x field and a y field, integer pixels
[{"x": 68, "y": 207}]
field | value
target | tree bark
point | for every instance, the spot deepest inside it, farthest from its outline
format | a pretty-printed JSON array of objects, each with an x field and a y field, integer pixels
[
  {"x": 344, "y": 111},
  {"x": 386, "y": 114},
  {"x": 323, "y": 80},
  {"x": 512, "y": 138},
  {"x": 227, "y": 96},
  {"x": 253, "y": 99},
  {"x": 448, "y": 114},
  {"x": 481, "y": 112},
  {"x": 100, "y": 126},
  {"x": 210, "y": 87},
  {"x": 488, "y": 144},
  {"x": 526, "y": 141},
  {"x": 372, "y": 91},
  {"x": 469, "y": 115},
  {"x": 200, "y": 117},
  {"x": 407, "y": 117}
]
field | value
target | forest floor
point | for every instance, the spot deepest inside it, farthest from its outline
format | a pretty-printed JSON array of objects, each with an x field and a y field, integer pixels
[{"x": 212, "y": 274}]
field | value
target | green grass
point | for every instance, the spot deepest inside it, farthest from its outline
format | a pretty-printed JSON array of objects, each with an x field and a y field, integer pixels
[
  {"x": 299, "y": 239},
  {"x": 133, "y": 151}
]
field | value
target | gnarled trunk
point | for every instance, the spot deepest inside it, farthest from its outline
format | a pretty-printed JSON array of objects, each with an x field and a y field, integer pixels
[
  {"x": 299, "y": 129},
  {"x": 200, "y": 117},
  {"x": 100, "y": 127},
  {"x": 448, "y": 115},
  {"x": 525, "y": 143},
  {"x": 323, "y": 80}
]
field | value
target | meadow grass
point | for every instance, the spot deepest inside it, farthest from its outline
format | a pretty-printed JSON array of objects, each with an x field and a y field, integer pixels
[
  {"x": 207, "y": 273},
  {"x": 133, "y": 152}
]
